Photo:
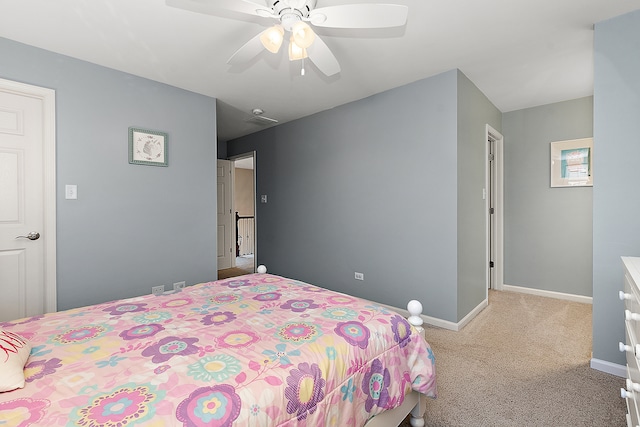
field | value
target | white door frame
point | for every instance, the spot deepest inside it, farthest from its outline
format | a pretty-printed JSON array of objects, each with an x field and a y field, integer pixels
[
  {"x": 48, "y": 98},
  {"x": 251, "y": 154},
  {"x": 498, "y": 201}
]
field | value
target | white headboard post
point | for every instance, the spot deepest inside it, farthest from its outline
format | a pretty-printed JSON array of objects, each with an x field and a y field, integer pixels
[{"x": 414, "y": 307}]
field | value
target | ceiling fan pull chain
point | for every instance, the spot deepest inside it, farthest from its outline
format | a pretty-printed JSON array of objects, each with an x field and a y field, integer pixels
[{"x": 302, "y": 70}]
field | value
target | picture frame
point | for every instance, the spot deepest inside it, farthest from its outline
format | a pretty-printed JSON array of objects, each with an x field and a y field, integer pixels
[
  {"x": 572, "y": 163},
  {"x": 148, "y": 147}
]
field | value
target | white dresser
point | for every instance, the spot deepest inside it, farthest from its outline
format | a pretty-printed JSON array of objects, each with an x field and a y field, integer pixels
[{"x": 631, "y": 297}]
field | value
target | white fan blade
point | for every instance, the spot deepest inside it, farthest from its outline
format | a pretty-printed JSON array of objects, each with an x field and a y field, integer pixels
[
  {"x": 360, "y": 16},
  {"x": 210, "y": 7},
  {"x": 247, "y": 52},
  {"x": 320, "y": 54}
]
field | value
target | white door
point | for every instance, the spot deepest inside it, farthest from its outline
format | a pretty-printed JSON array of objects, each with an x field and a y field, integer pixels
[
  {"x": 27, "y": 200},
  {"x": 495, "y": 209},
  {"x": 491, "y": 147},
  {"x": 226, "y": 246}
]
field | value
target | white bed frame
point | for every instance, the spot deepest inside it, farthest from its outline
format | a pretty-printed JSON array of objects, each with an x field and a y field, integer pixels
[{"x": 414, "y": 403}]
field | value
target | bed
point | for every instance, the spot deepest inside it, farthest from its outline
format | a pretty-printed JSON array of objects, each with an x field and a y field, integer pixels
[{"x": 254, "y": 350}]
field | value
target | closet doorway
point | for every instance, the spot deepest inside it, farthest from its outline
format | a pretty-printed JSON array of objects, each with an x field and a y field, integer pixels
[{"x": 494, "y": 190}]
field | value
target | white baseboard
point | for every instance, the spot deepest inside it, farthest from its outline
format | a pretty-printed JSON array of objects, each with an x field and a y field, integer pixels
[
  {"x": 440, "y": 323},
  {"x": 549, "y": 294},
  {"x": 609, "y": 368},
  {"x": 473, "y": 313}
]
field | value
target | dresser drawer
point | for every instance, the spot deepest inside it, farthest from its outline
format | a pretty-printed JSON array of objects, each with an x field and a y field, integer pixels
[
  {"x": 632, "y": 308},
  {"x": 632, "y": 360},
  {"x": 633, "y": 414},
  {"x": 631, "y": 287}
]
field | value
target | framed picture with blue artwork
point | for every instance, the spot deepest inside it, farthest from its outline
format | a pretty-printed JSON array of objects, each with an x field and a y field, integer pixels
[
  {"x": 572, "y": 163},
  {"x": 148, "y": 147}
]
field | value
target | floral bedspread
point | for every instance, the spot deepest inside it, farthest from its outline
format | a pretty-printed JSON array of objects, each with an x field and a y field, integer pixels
[{"x": 258, "y": 350}]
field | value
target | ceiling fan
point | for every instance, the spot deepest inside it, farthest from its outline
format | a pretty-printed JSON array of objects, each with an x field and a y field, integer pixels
[{"x": 293, "y": 18}]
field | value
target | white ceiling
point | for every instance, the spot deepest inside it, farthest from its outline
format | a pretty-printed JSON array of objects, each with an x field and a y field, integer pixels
[{"x": 520, "y": 53}]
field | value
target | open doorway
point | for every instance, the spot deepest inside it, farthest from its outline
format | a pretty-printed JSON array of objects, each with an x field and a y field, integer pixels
[
  {"x": 243, "y": 179},
  {"x": 494, "y": 200}
]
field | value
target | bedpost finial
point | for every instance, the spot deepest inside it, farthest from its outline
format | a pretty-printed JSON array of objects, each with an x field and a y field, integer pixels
[
  {"x": 415, "y": 310},
  {"x": 414, "y": 307},
  {"x": 262, "y": 269}
]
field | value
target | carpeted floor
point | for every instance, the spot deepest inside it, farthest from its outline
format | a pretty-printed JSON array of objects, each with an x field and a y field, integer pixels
[{"x": 523, "y": 361}]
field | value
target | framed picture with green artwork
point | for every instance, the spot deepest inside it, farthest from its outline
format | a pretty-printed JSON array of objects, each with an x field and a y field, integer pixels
[{"x": 572, "y": 163}]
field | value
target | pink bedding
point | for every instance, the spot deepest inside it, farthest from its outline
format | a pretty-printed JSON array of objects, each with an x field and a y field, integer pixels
[{"x": 258, "y": 350}]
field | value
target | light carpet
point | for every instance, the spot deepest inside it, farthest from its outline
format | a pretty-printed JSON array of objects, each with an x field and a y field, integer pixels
[{"x": 523, "y": 361}]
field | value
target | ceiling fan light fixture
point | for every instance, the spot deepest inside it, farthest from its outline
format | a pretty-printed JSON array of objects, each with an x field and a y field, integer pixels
[
  {"x": 272, "y": 38},
  {"x": 303, "y": 34},
  {"x": 296, "y": 52}
]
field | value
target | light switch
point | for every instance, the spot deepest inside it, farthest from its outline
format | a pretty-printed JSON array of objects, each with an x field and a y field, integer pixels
[
  {"x": 263, "y": 198},
  {"x": 71, "y": 192}
]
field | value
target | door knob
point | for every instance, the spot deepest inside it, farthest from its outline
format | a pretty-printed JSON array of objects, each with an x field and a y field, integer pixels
[{"x": 34, "y": 235}]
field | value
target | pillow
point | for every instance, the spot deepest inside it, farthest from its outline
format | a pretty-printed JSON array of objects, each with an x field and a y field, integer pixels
[{"x": 14, "y": 352}]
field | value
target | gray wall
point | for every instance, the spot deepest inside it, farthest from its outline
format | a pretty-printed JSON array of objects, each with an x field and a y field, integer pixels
[
  {"x": 616, "y": 193},
  {"x": 548, "y": 236},
  {"x": 132, "y": 227},
  {"x": 369, "y": 186},
  {"x": 475, "y": 111}
]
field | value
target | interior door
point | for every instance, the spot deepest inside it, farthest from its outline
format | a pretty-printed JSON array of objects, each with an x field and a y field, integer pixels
[
  {"x": 226, "y": 246},
  {"x": 491, "y": 143},
  {"x": 495, "y": 206},
  {"x": 23, "y": 174}
]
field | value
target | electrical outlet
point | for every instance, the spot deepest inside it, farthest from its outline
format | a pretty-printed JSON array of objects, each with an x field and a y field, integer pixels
[
  {"x": 157, "y": 290},
  {"x": 359, "y": 276},
  {"x": 178, "y": 285}
]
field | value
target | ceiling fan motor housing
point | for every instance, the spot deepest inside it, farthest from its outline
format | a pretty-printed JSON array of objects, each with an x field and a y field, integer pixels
[{"x": 302, "y": 7}]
